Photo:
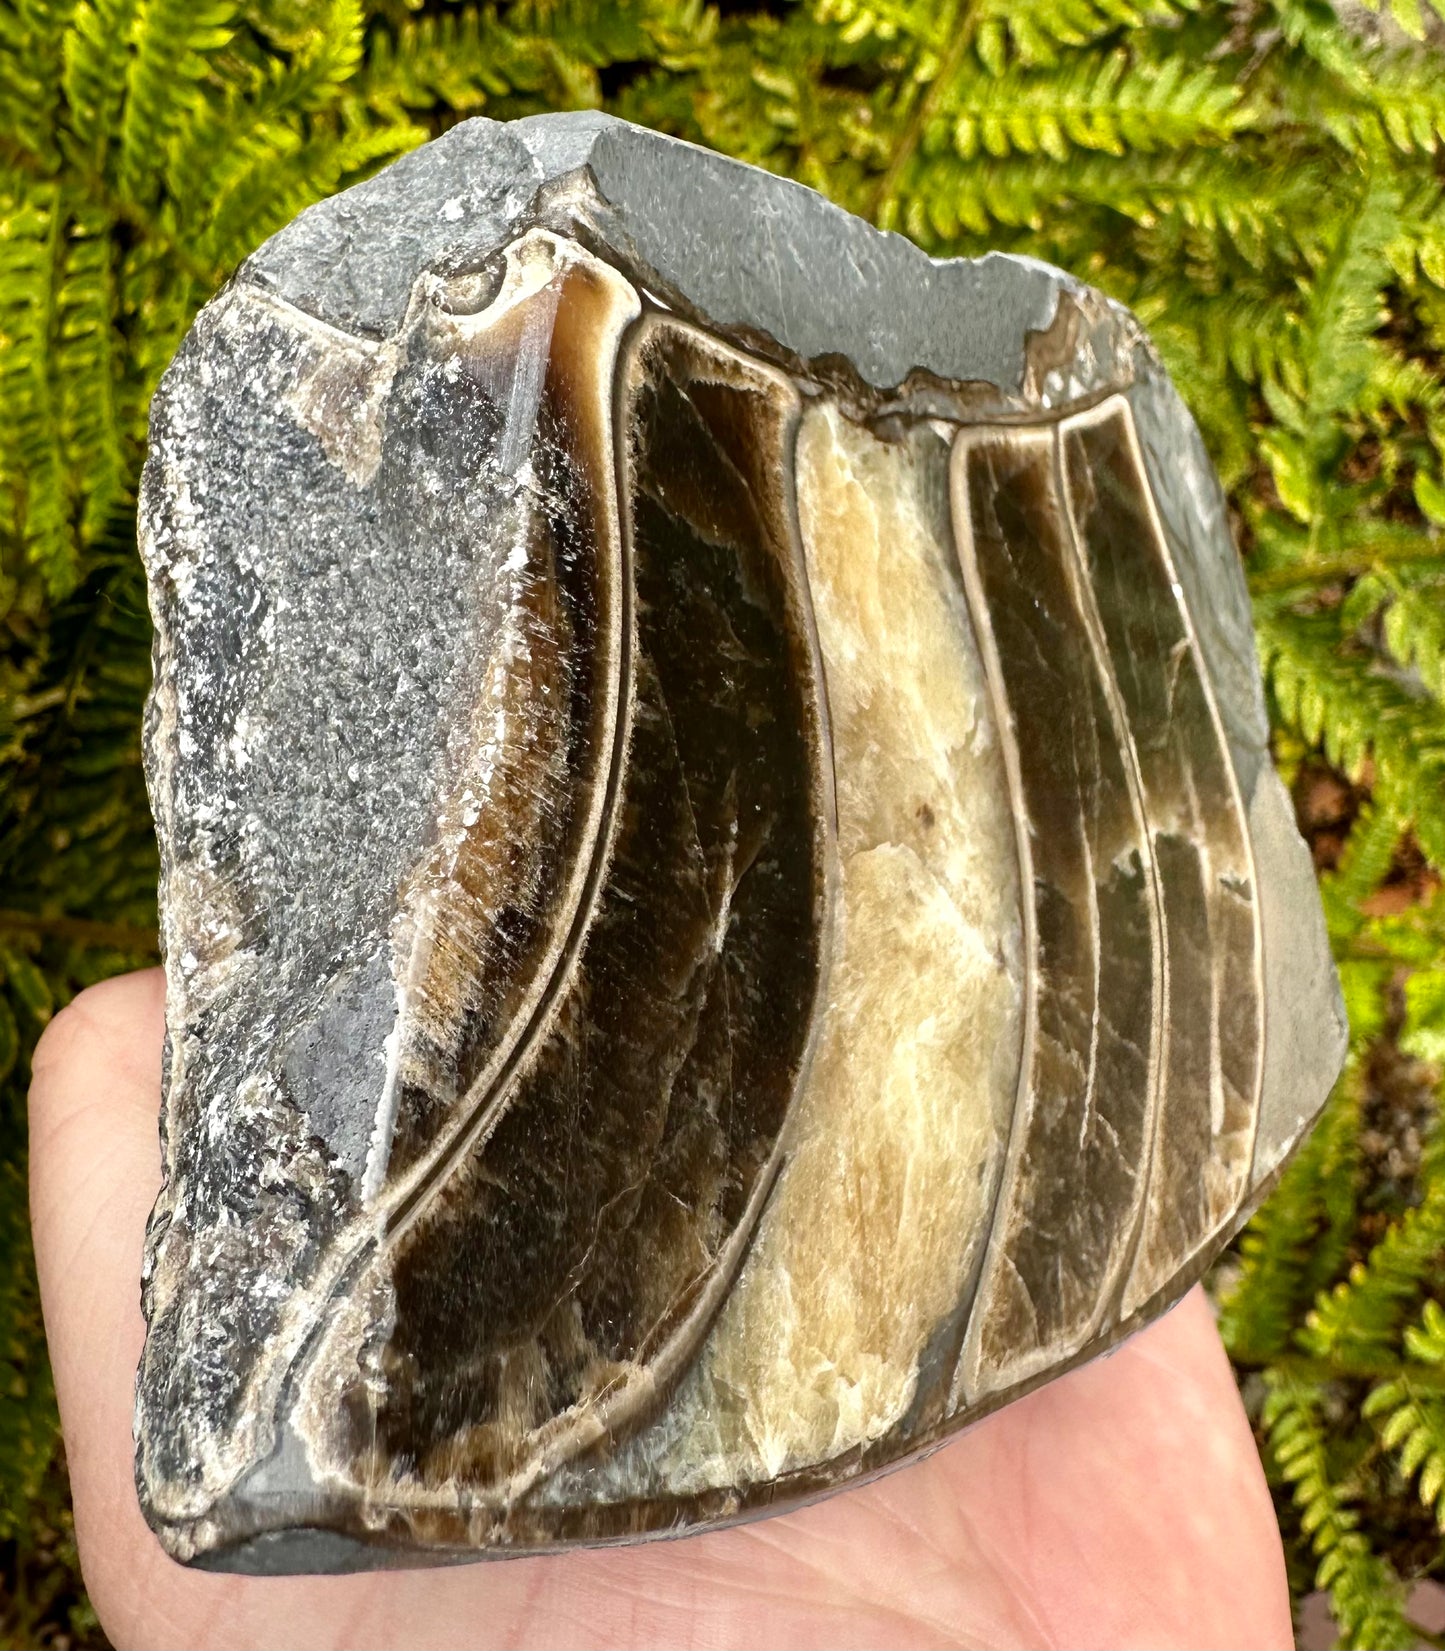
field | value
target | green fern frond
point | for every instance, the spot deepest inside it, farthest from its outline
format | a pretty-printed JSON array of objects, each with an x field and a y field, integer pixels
[
  {"x": 323, "y": 62},
  {"x": 1113, "y": 106},
  {"x": 173, "y": 42},
  {"x": 533, "y": 58},
  {"x": 1425, "y": 1341},
  {"x": 87, "y": 355},
  {"x": 1417, "y": 248},
  {"x": 1361, "y": 1321},
  {"x": 1423, "y": 1032},
  {"x": 33, "y": 462},
  {"x": 97, "y": 52},
  {"x": 1409, "y": 15},
  {"x": 1350, "y": 544},
  {"x": 1365, "y": 859},
  {"x": 446, "y": 58},
  {"x": 1295, "y": 1243},
  {"x": 955, "y": 206},
  {"x": 1412, "y": 1425},
  {"x": 283, "y": 179},
  {"x": 32, "y": 35},
  {"x": 919, "y": 22},
  {"x": 1037, "y": 32},
  {"x": 1346, "y": 700},
  {"x": 1337, "y": 357},
  {"x": 1405, "y": 107},
  {"x": 1368, "y": 98},
  {"x": 1414, "y": 624},
  {"x": 254, "y": 121},
  {"x": 1366, "y": 1596},
  {"x": 1399, "y": 389}
]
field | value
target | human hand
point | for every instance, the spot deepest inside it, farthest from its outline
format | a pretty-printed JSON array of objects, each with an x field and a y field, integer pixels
[{"x": 1122, "y": 1505}]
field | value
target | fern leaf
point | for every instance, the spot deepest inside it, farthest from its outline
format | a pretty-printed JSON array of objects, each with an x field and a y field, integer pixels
[
  {"x": 1337, "y": 354},
  {"x": 1366, "y": 1597},
  {"x": 32, "y": 35},
  {"x": 1414, "y": 626},
  {"x": 1369, "y": 98},
  {"x": 1412, "y": 1426},
  {"x": 1112, "y": 106},
  {"x": 97, "y": 51},
  {"x": 1337, "y": 696},
  {"x": 1295, "y": 1243},
  {"x": 33, "y": 462},
  {"x": 1425, "y": 1341},
  {"x": 920, "y": 22},
  {"x": 27, "y": 984},
  {"x": 1361, "y": 1320},
  {"x": 173, "y": 40},
  {"x": 87, "y": 367},
  {"x": 322, "y": 64},
  {"x": 1035, "y": 30},
  {"x": 255, "y": 121},
  {"x": 957, "y": 206},
  {"x": 1423, "y": 1033},
  {"x": 1363, "y": 863},
  {"x": 435, "y": 59}
]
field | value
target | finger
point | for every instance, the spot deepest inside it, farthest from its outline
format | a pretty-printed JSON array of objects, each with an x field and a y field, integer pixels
[{"x": 94, "y": 1171}]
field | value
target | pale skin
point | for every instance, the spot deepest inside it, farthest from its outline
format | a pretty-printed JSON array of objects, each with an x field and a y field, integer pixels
[{"x": 1122, "y": 1505}]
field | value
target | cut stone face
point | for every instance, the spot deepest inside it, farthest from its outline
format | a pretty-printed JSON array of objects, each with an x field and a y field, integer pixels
[{"x": 726, "y": 907}]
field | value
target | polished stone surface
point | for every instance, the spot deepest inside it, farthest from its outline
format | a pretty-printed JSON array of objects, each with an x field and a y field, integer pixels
[{"x": 726, "y": 907}]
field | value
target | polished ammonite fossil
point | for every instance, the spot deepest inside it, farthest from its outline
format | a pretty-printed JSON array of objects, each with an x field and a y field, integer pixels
[{"x": 725, "y": 903}]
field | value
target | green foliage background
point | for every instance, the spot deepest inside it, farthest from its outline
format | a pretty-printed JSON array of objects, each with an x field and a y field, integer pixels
[{"x": 1259, "y": 180}]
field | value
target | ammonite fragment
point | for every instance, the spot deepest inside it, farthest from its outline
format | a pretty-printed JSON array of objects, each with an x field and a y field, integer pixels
[{"x": 726, "y": 908}]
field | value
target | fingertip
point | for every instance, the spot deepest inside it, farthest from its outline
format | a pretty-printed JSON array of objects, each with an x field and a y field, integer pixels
[
  {"x": 101, "y": 1013},
  {"x": 94, "y": 1171},
  {"x": 94, "y": 1143},
  {"x": 111, "y": 1032}
]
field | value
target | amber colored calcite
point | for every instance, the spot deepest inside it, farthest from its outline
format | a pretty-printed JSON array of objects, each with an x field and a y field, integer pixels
[{"x": 726, "y": 908}]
